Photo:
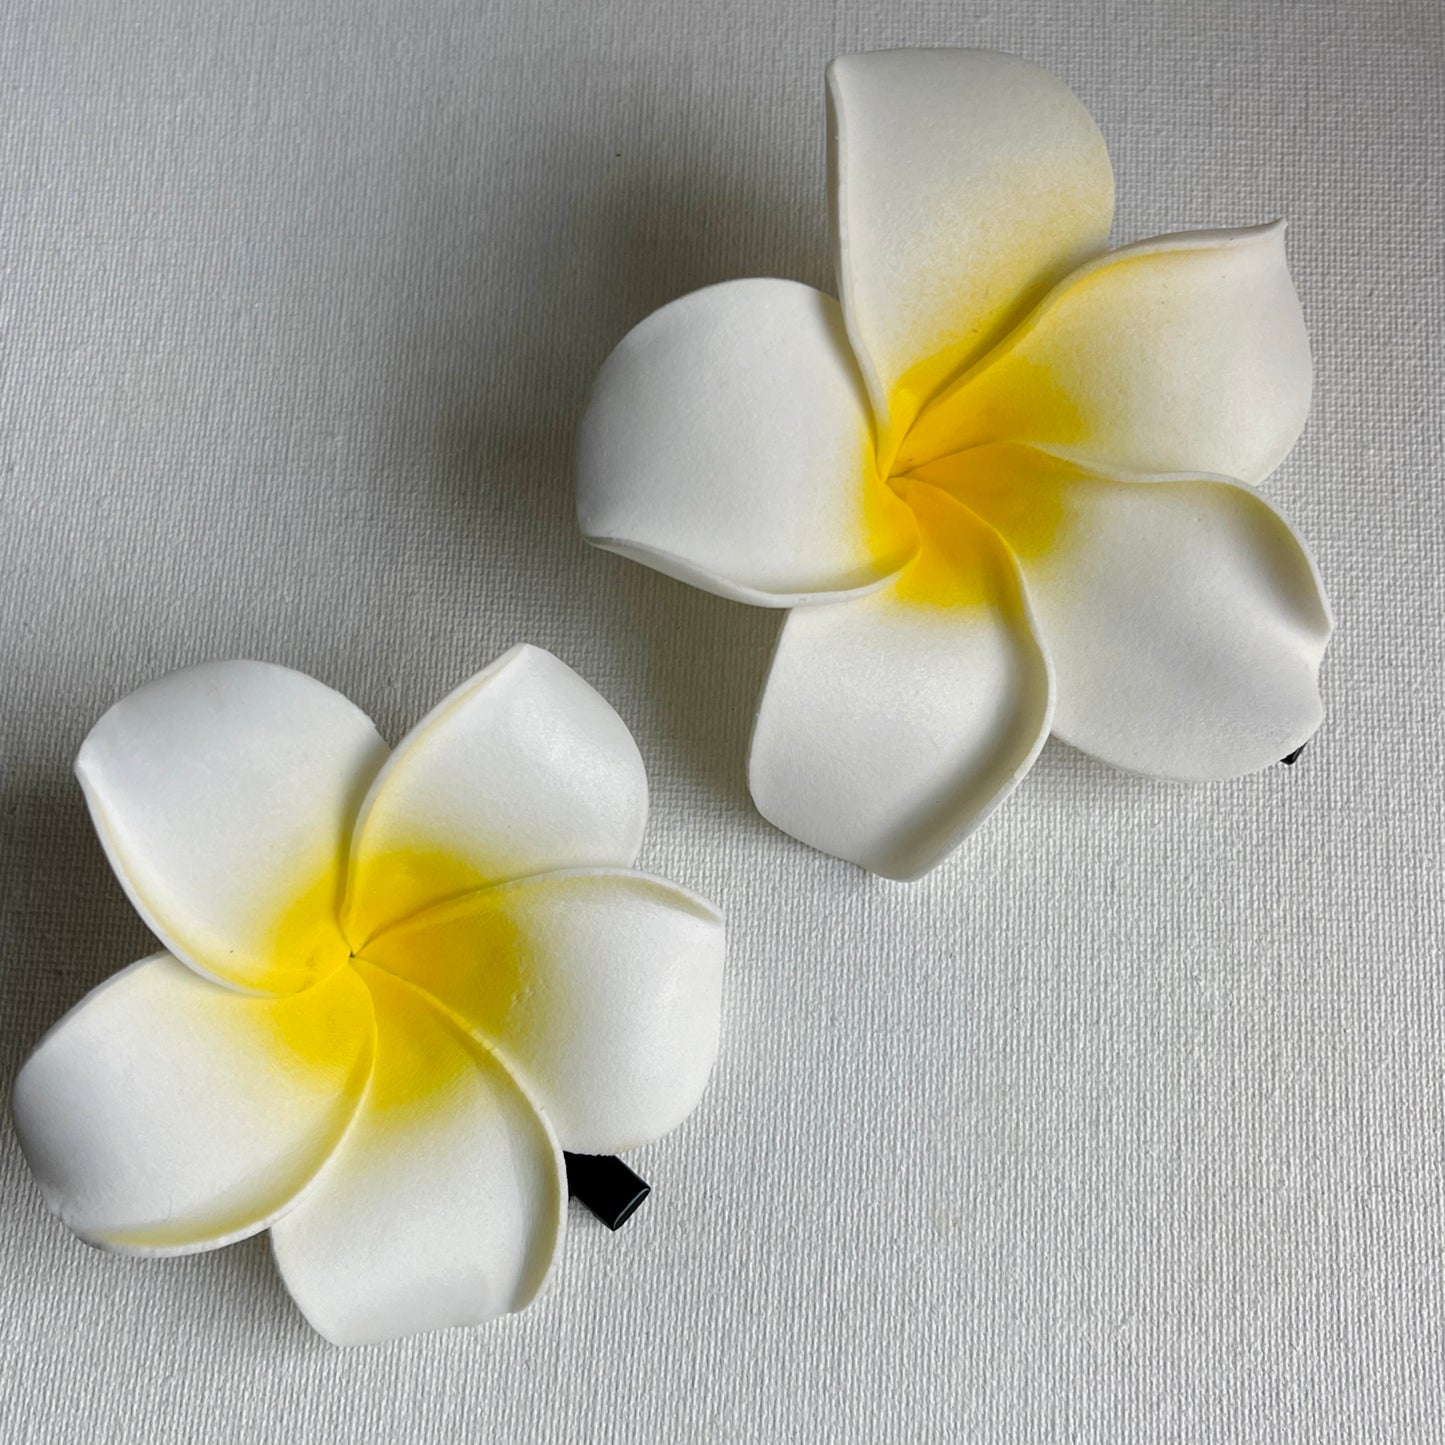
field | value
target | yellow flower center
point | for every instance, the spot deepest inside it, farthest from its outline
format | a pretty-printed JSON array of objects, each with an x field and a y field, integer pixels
[
  {"x": 314, "y": 1027},
  {"x": 982, "y": 475}
]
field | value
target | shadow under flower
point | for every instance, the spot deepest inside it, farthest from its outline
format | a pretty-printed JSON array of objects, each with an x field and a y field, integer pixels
[
  {"x": 67, "y": 924},
  {"x": 638, "y": 236}
]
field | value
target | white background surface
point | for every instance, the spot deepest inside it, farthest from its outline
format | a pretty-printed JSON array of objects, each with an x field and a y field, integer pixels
[{"x": 1126, "y": 1125}]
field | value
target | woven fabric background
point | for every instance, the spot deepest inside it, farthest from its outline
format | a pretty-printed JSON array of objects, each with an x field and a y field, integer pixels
[{"x": 1126, "y": 1124}]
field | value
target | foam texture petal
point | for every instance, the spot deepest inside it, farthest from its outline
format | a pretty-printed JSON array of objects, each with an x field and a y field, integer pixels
[
  {"x": 892, "y": 725},
  {"x": 1184, "y": 618},
  {"x": 728, "y": 444},
  {"x": 445, "y": 1203},
  {"x": 601, "y": 990},
  {"x": 166, "y": 1114},
  {"x": 964, "y": 184},
  {"x": 1187, "y": 353},
  {"x": 224, "y": 795},
  {"x": 523, "y": 769}
]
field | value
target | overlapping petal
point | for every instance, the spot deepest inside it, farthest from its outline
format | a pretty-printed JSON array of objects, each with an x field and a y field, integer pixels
[
  {"x": 1186, "y": 353},
  {"x": 523, "y": 769},
  {"x": 166, "y": 1114},
  {"x": 971, "y": 197},
  {"x": 965, "y": 183},
  {"x": 1184, "y": 619},
  {"x": 445, "y": 1202},
  {"x": 370, "y": 1116},
  {"x": 728, "y": 443},
  {"x": 892, "y": 725},
  {"x": 224, "y": 795},
  {"x": 601, "y": 990}
]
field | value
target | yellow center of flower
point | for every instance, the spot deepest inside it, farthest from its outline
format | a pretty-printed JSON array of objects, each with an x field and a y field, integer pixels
[
  {"x": 990, "y": 437},
  {"x": 314, "y": 1029},
  {"x": 959, "y": 499}
]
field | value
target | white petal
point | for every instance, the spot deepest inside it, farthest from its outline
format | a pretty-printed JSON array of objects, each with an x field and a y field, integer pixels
[
  {"x": 444, "y": 1204},
  {"x": 965, "y": 183},
  {"x": 1183, "y": 617},
  {"x": 602, "y": 990},
  {"x": 166, "y": 1113},
  {"x": 892, "y": 725},
  {"x": 1186, "y": 353},
  {"x": 728, "y": 444},
  {"x": 522, "y": 769},
  {"x": 224, "y": 795}
]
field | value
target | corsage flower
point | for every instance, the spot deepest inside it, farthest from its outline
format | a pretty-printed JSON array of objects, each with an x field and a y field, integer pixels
[
  {"x": 1005, "y": 485},
  {"x": 395, "y": 987}
]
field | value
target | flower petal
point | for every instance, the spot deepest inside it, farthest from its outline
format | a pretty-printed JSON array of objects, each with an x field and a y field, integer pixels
[
  {"x": 1184, "y": 618},
  {"x": 166, "y": 1114},
  {"x": 892, "y": 725},
  {"x": 728, "y": 444},
  {"x": 601, "y": 990},
  {"x": 224, "y": 795},
  {"x": 523, "y": 769},
  {"x": 1186, "y": 353},
  {"x": 965, "y": 183},
  {"x": 443, "y": 1206}
]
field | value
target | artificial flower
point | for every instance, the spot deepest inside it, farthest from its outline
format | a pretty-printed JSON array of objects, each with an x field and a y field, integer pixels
[
  {"x": 395, "y": 987},
  {"x": 1006, "y": 485}
]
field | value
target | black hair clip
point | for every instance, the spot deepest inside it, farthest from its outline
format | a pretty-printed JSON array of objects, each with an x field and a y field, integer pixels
[{"x": 606, "y": 1186}]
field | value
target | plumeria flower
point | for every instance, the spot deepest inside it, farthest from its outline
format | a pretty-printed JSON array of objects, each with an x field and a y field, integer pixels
[
  {"x": 1006, "y": 485},
  {"x": 395, "y": 987}
]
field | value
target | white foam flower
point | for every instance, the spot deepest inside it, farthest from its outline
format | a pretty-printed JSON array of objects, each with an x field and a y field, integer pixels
[
  {"x": 1006, "y": 485},
  {"x": 395, "y": 987}
]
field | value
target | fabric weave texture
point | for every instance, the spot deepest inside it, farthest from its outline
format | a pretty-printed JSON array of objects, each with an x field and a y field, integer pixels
[{"x": 1123, "y": 1125}]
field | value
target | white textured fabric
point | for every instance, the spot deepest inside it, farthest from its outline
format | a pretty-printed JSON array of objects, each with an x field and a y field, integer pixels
[{"x": 1124, "y": 1125}]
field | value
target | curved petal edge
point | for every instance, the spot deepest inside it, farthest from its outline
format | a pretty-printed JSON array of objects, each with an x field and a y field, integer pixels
[
  {"x": 166, "y": 1114},
  {"x": 524, "y": 768},
  {"x": 1185, "y": 353},
  {"x": 445, "y": 1204},
  {"x": 223, "y": 795},
  {"x": 963, "y": 184},
  {"x": 1184, "y": 617},
  {"x": 728, "y": 444},
  {"x": 892, "y": 726},
  {"x": 600, "y": 989}
]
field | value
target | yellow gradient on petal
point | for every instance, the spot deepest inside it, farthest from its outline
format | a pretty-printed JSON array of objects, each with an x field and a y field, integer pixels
[
  {"x": 290, "y": 941},
  {"x": 309, "y": 1052},
  {"x": 424, "y": 1057},
  {"x": 1021, "y": 492},
  {"x": 313, "y": 1032},
  {"x": 1098, "y": 363},
  {"x": 305, "y": 942},
  {"x": 1025, "y": 389},
  {"x": 576, "y": 978},
  {"x": 404, "y": 881},
  {"x": 471, "y": 955},
  {"x": 934, "y": 412},
  {"x": 889, "y": 528},
  {"x": 960, "y": 563},
  {"x": 910, "y": 394},
  {"x": 1012, "y": 397},
  {"x": 969, "y": 438},
  {"x": 965, "y": 187}
]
